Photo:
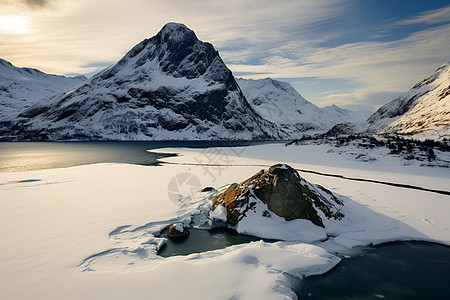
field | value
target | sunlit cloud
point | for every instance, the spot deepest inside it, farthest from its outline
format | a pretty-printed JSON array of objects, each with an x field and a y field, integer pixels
[{"x": 14, "y": 24}]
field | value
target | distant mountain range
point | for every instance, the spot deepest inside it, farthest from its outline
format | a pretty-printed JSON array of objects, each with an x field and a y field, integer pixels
[{"x": 175, "y": 87}]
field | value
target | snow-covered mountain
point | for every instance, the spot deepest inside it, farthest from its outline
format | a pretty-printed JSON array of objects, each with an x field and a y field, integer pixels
[
  {"x": 280, "y": 103},
  {"x": 23, "y": 87},
  {"x": 168, "y": 87},
  {"x": 423, "y": 111}
]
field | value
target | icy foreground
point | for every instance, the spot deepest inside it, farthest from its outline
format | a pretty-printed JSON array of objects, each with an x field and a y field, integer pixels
[{"x": 91, "y": 231}]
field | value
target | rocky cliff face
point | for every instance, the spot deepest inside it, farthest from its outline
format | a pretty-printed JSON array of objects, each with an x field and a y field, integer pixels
[
  {"x": 284, "y": 192},
  {"x": 171, "y": 86}
]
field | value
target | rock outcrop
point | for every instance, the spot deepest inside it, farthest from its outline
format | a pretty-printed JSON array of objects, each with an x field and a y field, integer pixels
[
  {"x": 284, "y": 192},
  {"x": 178, "y": 231}
]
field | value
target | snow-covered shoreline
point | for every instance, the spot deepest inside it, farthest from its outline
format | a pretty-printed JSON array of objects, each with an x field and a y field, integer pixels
[{"x": 60, "y": 224}]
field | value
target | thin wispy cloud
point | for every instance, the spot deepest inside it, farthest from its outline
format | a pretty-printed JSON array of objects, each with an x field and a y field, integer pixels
[
  {"x": 367, "y": 62},
  {"x": 435, "y": 16}
]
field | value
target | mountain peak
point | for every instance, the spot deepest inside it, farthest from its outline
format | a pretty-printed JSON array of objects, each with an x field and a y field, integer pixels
[
  {"x": 174, "y": 50},
  {"x": 176, "y": 33},
  {"x": 173, "y": 26}
]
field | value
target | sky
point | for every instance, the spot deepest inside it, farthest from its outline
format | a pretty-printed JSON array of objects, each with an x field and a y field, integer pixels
[{"x": 355, "y": 54}]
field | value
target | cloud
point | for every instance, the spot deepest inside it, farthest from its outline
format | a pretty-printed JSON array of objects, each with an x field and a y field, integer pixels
[
  {"x": 31, "y": 4},
  {"x": 436, "y": 16},
  {"x": 11, "y": 24},
  {"x": 34, "y": 3}
]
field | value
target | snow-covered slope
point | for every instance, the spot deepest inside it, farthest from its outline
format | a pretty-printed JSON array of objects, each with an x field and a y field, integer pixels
[
  {"x": 168, "y": 87},
  {"x": 23, "y": 87},
  {"x": 280, "y": 103},
  {"x": 423, "y": 111}
]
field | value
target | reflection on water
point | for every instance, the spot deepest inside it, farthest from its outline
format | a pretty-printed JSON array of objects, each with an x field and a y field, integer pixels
[
  {"x": 27, "y": 156},
  {"x": 37, "y": 156},
  {"x": 407, "y": 270}
]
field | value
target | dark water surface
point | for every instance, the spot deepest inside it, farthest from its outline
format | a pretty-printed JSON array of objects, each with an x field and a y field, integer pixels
[
  {"x": 202, "y": 240},
  {"x": 402, "y": 270},
  {"x": 29, "y": 156}
]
